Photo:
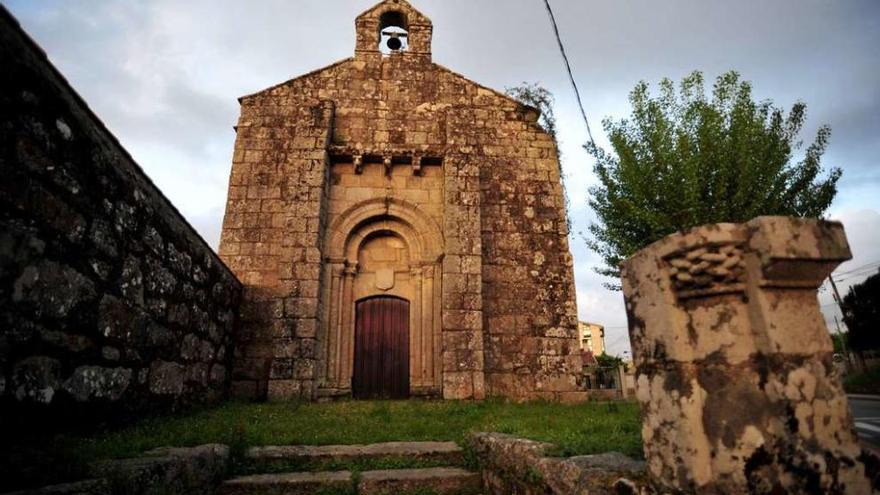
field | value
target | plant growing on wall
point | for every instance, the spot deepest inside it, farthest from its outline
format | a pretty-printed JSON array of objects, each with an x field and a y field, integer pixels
[
  {"x": 540, "y": 98},
  {"x": 683, "y": 159}
]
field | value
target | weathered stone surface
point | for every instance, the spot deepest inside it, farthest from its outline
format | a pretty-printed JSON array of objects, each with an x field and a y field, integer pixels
[
  {"x": 36, "y": 379},
  {"x": 92, "y": 260},
  {"x": 51, "y": 289},
  {"x": 446, "y": 452},
  {"x": 167, "y": 378},
  {"x": 94, "y": 382},
  {"x": 168, "y": 471},
  {"x": 88, "y": 487},
  {"x": 288, "y": 484},
  {"x": 734, "y": 372},
  {"x": 590, "y": 474},
  {"x": 393, "y": 176},
  {"x": 515, "y": 465},
  {"x": 441, "y": 480}
]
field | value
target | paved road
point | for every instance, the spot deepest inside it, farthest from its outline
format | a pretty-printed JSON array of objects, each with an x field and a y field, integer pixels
[{"x": 866, "y": 412}]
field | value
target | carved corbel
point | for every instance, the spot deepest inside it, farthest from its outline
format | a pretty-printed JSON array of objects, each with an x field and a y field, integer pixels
[{"x": 358, "y": 164}]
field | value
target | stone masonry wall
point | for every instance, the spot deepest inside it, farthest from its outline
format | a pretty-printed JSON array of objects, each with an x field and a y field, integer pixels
[
  {"x": 276, "y": 208},
  {"x": 109, "y": 301},
  {"x": 508, "y": 304}
]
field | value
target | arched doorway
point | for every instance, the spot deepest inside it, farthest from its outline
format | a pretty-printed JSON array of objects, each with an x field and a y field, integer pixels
[
  {"x": 381, "y": 349},
  {"x": 387, "y": 248}
]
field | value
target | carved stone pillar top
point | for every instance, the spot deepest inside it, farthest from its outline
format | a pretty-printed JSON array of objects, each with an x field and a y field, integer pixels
[
  {"x": 428, "y": 271},
  {"x": 711, "y": 281},
  {"x": 337, "y": 269},
  {"x": 351, "y": 269},
  {"x": 734, "y": 369}
]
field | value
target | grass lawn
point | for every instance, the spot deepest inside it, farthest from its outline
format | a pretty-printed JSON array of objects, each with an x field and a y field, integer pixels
[{"x": 575, "y": 429}]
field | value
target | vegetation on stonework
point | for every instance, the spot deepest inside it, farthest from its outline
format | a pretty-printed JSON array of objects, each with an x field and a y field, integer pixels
[
  {"x": 684, "y": 159},
  {"x": 867, "y": 382},
  {"x": 540, "y": 98}
]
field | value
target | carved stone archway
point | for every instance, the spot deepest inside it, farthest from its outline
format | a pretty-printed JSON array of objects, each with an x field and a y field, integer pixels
[{"x": 382, "y": 247}]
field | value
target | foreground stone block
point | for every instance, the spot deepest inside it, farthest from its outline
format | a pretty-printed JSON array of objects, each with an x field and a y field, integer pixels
[
  {"x": 167, "y": 471},
  {"x": 88, "y": 487},
  {"x": 441, "y": 481},
  {"x": 445, "y": 452},
  {"x": 734, "y": 361},
  {"x": 288, "y": 484},
  {"x": 516, "y": 465}
]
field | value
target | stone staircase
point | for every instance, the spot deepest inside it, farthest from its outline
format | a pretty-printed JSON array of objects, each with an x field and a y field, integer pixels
[{"x": 356, "y": 469}]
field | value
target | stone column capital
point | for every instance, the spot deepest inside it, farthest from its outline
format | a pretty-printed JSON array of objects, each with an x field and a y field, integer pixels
[{"x": 733, "y": 359}]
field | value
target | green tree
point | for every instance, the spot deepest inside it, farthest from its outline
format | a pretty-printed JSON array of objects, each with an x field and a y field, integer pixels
[
  {"x": 861, "y": 312},
  {"x": 607, "y": 361},
  {"x": 683, "y": 159}
]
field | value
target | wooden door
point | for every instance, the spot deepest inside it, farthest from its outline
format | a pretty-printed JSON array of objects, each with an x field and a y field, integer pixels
[{"x": 381, "y": 349}]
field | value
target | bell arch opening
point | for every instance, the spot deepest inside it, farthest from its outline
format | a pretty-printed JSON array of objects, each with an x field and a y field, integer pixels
[{"x": 393, "y": 32}]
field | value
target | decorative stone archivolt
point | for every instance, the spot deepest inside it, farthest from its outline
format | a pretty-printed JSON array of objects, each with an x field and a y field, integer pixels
[
  {"x": 415, "y": 227},
  {"x": 358, "y": 235}
]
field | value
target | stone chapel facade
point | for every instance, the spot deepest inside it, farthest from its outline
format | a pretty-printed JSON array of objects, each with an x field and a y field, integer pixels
[{"x": 399, "y": 230}]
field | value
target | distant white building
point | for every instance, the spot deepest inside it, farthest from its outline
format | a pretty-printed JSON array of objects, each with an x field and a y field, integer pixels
[{"x": 592, "y": 337}]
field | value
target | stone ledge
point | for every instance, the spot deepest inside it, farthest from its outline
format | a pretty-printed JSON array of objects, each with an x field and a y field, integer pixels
[
  {"x": 287, "y": 483},
  {"x": 436, "y": 451},
  {"x": 442, "y": 480},
  {"x": 169, "y": 470},
  {"x": 515, "y": 465},
  {"x": 88, "y": 487}
]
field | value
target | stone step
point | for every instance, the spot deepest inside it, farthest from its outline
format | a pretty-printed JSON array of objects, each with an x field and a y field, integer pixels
[
  {"x": 447, "y": 453},
  {"x": 439, "y": 481},
  {"x": 288, "y": 484}
]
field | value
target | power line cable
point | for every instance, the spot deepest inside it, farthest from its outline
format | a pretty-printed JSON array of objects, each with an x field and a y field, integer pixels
[
  {"x": 855, "y": 275},
  {"x": 859, "y": 268},
  {"x": 577, "y": 93}
]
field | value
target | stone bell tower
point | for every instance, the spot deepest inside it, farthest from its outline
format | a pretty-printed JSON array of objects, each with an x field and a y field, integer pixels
[{"x": 400, "y": 230}]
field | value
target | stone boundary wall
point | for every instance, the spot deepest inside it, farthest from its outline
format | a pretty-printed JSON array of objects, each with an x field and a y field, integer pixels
[
  {"x": 515, "y": 465},
  {"x": 110, "y": 302},
  {"x": 166, "y": 471}
]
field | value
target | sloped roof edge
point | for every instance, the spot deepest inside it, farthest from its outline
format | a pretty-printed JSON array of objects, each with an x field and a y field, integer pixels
[{"x": 307, "y": 74}]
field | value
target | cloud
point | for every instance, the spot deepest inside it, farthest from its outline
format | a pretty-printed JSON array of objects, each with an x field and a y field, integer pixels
[
  {"x": 164, "y": 76},
  {"x": 863, "y": 233}
]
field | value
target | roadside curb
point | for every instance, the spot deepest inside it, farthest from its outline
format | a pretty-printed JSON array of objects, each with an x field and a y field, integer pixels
[{"x": 864, "y": 396}]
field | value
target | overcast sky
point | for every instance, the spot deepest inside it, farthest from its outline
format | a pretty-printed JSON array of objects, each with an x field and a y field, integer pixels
[{"x": 164, "y": 76}]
